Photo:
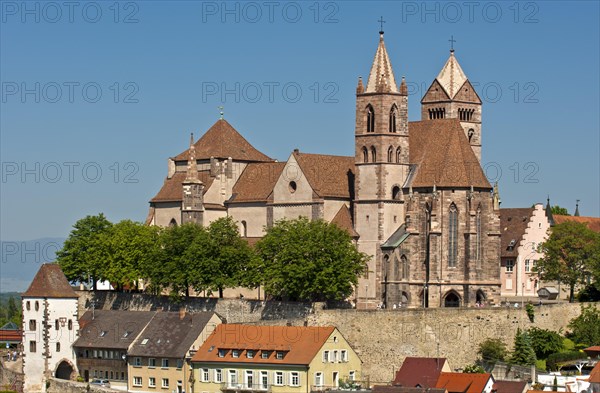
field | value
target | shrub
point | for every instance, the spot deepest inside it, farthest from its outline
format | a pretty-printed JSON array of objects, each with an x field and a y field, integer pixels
[{"x": 554, "y": 361}]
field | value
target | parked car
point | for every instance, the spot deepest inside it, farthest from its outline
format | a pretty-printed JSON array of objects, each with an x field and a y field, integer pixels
[{"x": 101, "y": 382}]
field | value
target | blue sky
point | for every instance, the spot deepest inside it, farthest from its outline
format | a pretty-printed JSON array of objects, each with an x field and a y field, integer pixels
[{"x": 97, "y": 95}]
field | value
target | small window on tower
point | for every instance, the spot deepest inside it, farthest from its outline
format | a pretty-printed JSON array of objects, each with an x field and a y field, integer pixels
[
  {"x": 292, "y": 186},
  {"x": 370, "y": 119}
]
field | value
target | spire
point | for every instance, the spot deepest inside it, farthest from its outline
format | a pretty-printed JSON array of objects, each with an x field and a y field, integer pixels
[
  {"x": 381, "y": 78},
  {"x": 577, "y": 209},
  {"x": 192, "y": 166},
  {"x": 403, "y": 88},
  {"x": 360, "y": 88},
  {"x": 496, "y": 197},
  {"x": 549, "y": 212},
  {"x": 451, "y": 77}
]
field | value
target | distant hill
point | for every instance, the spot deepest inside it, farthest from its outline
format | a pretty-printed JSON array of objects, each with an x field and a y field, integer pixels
[{"x": 22, "y": 259}]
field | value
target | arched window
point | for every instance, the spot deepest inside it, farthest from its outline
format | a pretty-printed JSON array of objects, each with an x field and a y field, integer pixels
[
  {"x": 370, "y": 119},
  {"x": 478, "y": 239},
  {"x": 373, "y": 154},
  {"x": 452, "y": 235},
  {"x": 471, "y": 133},
  {"x": 393, "y": 113},
  {"x": 396, "y": 192},
  {"x": 391, "y": 154},
  {"x": 365, "y": 154},
  {"x": 386, "y": 266},
  {"x": 404, "y": 264},
  {"x": 244, "y": 229},
  {"x": 398, "y": 155},
  {"x": 452, "y": 299},
  {"x": 70, "y": 324},
  {"x": 173, "y": 223}
]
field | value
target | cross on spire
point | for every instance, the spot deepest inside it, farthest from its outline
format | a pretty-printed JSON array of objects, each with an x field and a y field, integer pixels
[
  {"x": 381, "y": 22},
  {"x": 221, "y": 111},
  {"x": 452, "y": 41}
]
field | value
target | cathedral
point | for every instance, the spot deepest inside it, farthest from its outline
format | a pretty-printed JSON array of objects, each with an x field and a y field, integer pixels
[{"x": 413, "y": 197}]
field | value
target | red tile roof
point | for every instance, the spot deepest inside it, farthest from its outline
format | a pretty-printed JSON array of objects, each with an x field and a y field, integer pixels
[
  {"x": 256, "y": 182},
  {"x": 50, "y": 281},
  {"x": 223, "y": 141},
  {"x": 419, "y": 371},
  {"x": 300, "y": 344},
  {"x": 510, "y": 386},
  {"x": 11, "y": 336},
  {"x": 592, "y": 222},
  {"x": 463, "y": 382},
  {"x": 513, "y": 223},
  {"x": 172, "y": 189},
  {"x": 328, "y": 176},
  {"x": 404, "y": 389},
  {"x": 443, "y": 155},
  {"x": 595, "y": 374},
  {"x": 343, "y": 219}
]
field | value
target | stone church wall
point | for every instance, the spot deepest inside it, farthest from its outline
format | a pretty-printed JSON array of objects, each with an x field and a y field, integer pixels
[{"x": 382, "y": 338}]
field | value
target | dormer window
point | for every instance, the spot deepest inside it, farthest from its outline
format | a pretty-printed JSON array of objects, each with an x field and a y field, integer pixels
[
  {"x": 265, "y": 354},
  {"x": 279, "y": 355},
  {"x": 222, "y": 353},
  {"x": 249, "y": 354},
  {"x": 235, "y": 353}
]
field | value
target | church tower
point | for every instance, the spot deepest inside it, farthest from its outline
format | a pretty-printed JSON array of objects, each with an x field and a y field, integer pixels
[
  {"x": 192, "y": 206},
  {"x": 451, "y": 96},
  {"x": 382, "y": 162}
]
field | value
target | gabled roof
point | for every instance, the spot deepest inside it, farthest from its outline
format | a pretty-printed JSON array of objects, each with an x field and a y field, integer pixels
[
  {"x": 463, "y": 382},
  {"x": 301, "y": 350},
  {"x": 223, "y": 141},
  {"x": 50, "y": 281},
  {"x": 451, "y": 77},
  {"x": 417, "y": 371},
  {"x": 592, "y": 222},
  {"x": 404, "y": 389},
  {"x": 10, "y": 333},
  {"x": 343, "y": 219},
  {"x": 256, "y": 182},
  {"x": 443, "y": 155},
  {"x": 328, "y": 176},
  {"x": 111, "y": 328},
  {"x": 9, "y": 326},
  {"x": 595, "y": 374},
  {"x": 172, "y": 189},
  {"x": 510, "y": 386},
  {"x": 513, "y": 223},
  {"x": 170, "y": 334},
  {"x": 381, "y": 77}
]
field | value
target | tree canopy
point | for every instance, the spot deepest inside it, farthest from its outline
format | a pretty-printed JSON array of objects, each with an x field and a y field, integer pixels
[
  {"x": 559, "y": 210},
  {"x": 571, "y": 255},
  {"x": 492, "y": 350},
  {"x": 585, "y": 328},
  {"x": 308, "y": 261},
  {"x": 545, "y": 342},
  {"x": 523, "y": 353}
]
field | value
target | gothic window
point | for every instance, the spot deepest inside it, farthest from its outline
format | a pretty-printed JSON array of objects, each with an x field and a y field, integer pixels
[
  {"x": 244, "y": 229},
  {"x": 393, "y": 112},
  {"x": 370, "y": 119},
  {"x": 373, "y": 154},
  {"x": 173, "y": 223},
  {"x": 452, "y": 235},
  {"x": 396, "y": 192},
  {"x": 404, "y": 265},
  {"x": 471, "y": 133},
  {"x": 386, "y": 264},
  {"x": 365, "y": 154},
  {"x": 452, "y": 299},
  {"x": 391, "y": 154},
  {"x": 398, "y": 155},
  {"x": 478, "y": 238}
]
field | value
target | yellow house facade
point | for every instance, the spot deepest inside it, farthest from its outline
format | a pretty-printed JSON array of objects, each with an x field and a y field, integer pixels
[{"x": 249, "y": 358}]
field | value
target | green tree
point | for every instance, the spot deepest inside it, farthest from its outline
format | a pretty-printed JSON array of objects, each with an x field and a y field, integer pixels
[
  {"x": 523, "y": 353},
  {"x": 545, "y": 342},
  {"x": 126, "y": 247},
  {"x": 562, "y": 211},
  {"x": 492, "y": 350},
  {"x": 585, "y": 328},
  {"x": 473, "y": 369},
  {"x": 81, "y": 257},
  {"x": 308, "y": 261},
  {"x": 12, "y": 310},
  {"x": 571, "y": 255}
]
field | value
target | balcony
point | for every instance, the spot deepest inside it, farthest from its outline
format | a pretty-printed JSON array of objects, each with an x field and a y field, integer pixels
[{"x": 243, "y": 387}]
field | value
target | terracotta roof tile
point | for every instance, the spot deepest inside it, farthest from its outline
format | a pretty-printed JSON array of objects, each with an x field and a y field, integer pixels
[
  {"x": 329, "y": 176},
  {"x": 223, "y": 141},
  {"x": 343, "y": 219},
  {"x": 172, "y": 189},
  {"x": 592, "y": 222},
  {"x": 300, "y": 344},
  {"x": 111, "y": 328},
  {"x": 423, "y": 372},
  {"x": 170, "y": 334},
  {"x": 443, "y": 155},
  {"x": 463, "y": 382},
  {"x": 256, "y": 182},
  {"x": 404, "y": 389},
  {"x": 50, "y": 281},
  {"x": 11, "y": 335},
  {"x": 513, "y": 223},
  {"x": 510, "y": 386}
]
